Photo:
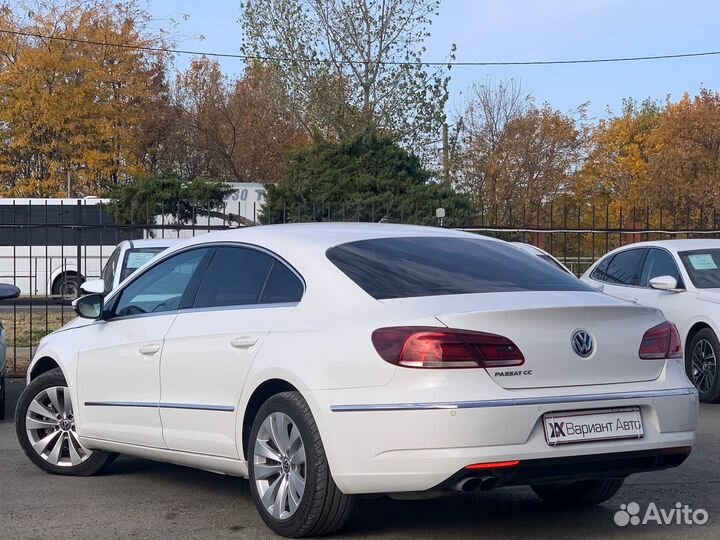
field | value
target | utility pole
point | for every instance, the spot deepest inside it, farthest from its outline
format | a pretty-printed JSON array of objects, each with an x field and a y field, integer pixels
[
  {"x": 68, "y": 184},
  {"x": 446, "y": 154}
]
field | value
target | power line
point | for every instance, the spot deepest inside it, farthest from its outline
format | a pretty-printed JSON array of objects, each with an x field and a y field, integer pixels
[{"x": 388, "y": 63}]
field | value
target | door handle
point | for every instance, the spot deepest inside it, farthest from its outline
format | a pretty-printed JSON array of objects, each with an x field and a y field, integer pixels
[
  {"x": 149, "y": 350},
  {"x": 635, "y": 300},
  {"x": 244, "y": 342}
]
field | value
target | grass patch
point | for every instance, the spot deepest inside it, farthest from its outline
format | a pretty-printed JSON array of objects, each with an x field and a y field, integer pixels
[{"x": 27, "y": 328}]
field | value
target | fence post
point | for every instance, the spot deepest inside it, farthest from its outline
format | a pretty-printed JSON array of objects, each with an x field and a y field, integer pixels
[{"x": 78, "y": 277}]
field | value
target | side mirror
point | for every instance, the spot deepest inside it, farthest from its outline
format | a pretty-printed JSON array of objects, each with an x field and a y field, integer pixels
[
  {"x": 94, "y": 286},
  {"x": 89, "y": 307},
  {"x": 664, "y": 283},
  {"x": 8, "y": 291}
]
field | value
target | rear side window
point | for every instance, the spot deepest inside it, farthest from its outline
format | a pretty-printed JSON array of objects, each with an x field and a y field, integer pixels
[
  {"x": 234, "y": 277},
  {"x": 600, "y": 272},
  {"x": 282, "y": 286},
  {"x": 430, "y": 266},
  {"x": 239, "y": 276},
  {"x": 625, "y": 267}
]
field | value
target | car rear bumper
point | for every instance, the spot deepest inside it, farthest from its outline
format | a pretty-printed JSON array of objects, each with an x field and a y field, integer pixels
[
  {"x": 554, "y": 470},
  {"x": 418, "y": 446}
]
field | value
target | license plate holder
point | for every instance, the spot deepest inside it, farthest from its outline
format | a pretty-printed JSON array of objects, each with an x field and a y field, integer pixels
[{"x": 573, "y": 427}]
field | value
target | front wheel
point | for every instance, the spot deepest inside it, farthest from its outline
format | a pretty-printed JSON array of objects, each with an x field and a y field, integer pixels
[
  {"x": 579, "y": 494},
  {"x": 290, "y": 479},
  {"x": 45, "y": 427},
  {"x": 702, "y": 365}
]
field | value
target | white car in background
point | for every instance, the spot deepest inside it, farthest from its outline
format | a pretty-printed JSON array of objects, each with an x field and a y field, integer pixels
[
  {"x": 325, "y": 361},
  {"x": 127, "y": 257},
  {"x": 7, "y": 292},
  {"x": 544, "y": 255},
  {"x": 681, "y": 278}
]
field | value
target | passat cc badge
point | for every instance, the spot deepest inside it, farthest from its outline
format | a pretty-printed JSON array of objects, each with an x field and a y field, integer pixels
[{"x": 582, "y": 343}]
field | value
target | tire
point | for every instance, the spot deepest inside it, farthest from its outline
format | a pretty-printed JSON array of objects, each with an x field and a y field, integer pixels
[
  {"x": 66, "y": 285},
  {"x": 580, "y": 494},
  {"x": 44, "y": 413},
  {"x": 701, "y": 365},
  {"x": 321, "y": 508}
]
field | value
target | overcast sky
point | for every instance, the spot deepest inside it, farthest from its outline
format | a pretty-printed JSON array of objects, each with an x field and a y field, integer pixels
[{"x": 518, "y": 30}]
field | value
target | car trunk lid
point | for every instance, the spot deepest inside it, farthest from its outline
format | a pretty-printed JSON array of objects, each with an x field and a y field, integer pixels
[{"x": 542, "y": 325}]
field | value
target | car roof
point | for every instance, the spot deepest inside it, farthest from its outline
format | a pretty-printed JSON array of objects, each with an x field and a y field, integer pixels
[
  {"x": 677, "y": 245},
  {"x": 322, "y": 236},
  {"x": 154, "y": 242}
]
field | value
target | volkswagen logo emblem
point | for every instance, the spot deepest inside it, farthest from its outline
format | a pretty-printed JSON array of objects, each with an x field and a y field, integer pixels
[{"x": 582, "y": 343}]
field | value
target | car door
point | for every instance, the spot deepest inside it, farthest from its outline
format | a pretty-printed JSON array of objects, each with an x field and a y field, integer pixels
[
  {"x": 244, "y": 293},
  {"x": 673, "y": 304},
  {"x": 621, "y": 273},
  {"x": 118, "y": 374}
]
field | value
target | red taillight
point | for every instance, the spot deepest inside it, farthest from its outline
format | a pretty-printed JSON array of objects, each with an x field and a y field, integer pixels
[
  {"x": 660, "y": 342},
  {"x": 429, "y": 347},
  {"x": 494, "y": 465}
]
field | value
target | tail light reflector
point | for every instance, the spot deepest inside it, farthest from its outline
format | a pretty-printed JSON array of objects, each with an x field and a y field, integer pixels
[
  {"x": 430, "y": 347},
  {"x": 494, "y": 465},
  {"x": 660, "y": 342}
]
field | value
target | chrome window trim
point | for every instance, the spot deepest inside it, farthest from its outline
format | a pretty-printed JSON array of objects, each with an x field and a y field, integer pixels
[
  {"x": 514, "y": 402},
  {"x": 238, "y": 307},
  {"x": 161, "y": 405}
]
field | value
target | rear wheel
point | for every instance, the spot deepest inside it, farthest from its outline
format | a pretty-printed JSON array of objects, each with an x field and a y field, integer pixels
[
  {"x": 579, "y": 494},
  {"x": 290, "y": 478},
  {"x": 702, "y": 365},
  {"x": 45, "y": 427},
  {"x": 66, "y": 285}
]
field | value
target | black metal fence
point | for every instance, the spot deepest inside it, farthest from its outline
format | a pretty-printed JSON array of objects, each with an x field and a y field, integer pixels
[{"x": 48, "y": 248}]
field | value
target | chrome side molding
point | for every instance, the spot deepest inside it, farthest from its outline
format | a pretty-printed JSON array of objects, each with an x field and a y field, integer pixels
[{"x": 512, "y": 402}]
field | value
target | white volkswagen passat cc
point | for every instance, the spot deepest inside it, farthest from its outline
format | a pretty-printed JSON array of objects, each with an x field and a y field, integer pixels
[{"x": 323, "y": 361}]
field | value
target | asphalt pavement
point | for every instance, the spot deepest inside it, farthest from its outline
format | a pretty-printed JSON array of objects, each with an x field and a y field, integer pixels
[{"x": 138, "y": 499}]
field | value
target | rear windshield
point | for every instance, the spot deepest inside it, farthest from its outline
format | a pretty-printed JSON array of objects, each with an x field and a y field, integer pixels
[
  {"x": 431, "y": 266},
  {"x": 703, "y": 267}
]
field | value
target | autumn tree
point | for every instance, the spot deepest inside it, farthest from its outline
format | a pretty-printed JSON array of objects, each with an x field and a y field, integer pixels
[
  {"x": 348, "y": 65},
  {"x": 514, "y": 154},
  {"x": 75, "y": 108},
  {"x": 236, "y": 130},
  {"x": 683, "y": 162},
  {"x": 616, "y": 169}
]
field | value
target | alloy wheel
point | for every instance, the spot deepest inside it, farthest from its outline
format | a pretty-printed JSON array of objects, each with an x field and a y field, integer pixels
[
  {"x": 279, "y": 465},
  {"x": 50, "y": 427},
  {"x": 704, "y": 365}
]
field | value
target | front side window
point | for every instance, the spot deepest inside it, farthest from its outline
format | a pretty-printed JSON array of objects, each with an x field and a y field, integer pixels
[
  {"x": 161, "y": 287},
  {"x": 429, "y": 266},
  {"x": 660, "y": 263},
  {"x": 625, "y": 268},
  {"x": 703, "y": 267}
]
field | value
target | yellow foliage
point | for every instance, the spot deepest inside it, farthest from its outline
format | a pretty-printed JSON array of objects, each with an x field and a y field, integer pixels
[{"x": 73, "y": 109}]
